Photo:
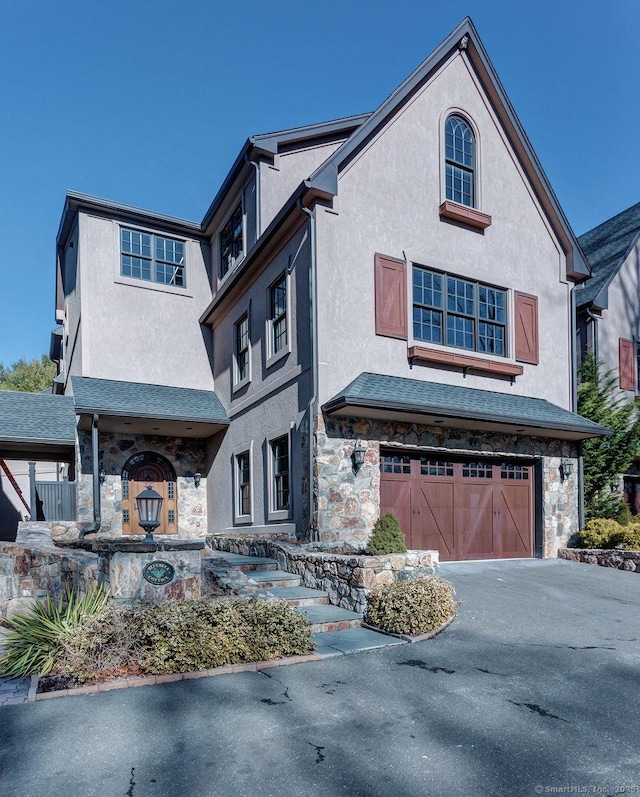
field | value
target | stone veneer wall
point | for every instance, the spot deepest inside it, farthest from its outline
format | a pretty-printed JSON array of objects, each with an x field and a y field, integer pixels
[
  {"x": 30, "y": 572},
  {"x": 617, "y": 557},
  {"x": 186, "y": 455},
  {"x": 347, "y": 579},
  {"x": 348, "y": 504}
]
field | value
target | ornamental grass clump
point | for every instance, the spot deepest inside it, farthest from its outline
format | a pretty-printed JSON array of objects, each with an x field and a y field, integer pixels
[
  {"x": 417, "y": 606},
  {"x": 386, "y": 537},
  {"x": 37, "y": 636}
]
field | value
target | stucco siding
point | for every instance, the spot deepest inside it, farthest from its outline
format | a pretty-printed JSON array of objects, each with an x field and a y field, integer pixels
[
  {"x": 622, "y": 318},
  {"x": 388, "y": 202},
  {"x": 136, "y": 330},
  {"x": 279, "y": 180},
  {"x": 275, "y": 398}
]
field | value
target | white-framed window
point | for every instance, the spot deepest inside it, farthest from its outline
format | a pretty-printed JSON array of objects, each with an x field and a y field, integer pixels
[
  {"x": 152, "y": 257},
  {"x": 243, "y": 485},
  {"x": 231, "y": 241},
  {"x": 278, "y": 335},
  {"x": 241, "y": 352},
  {"x": 279, "y": 474},
  {"x": 460, "y": 161}
]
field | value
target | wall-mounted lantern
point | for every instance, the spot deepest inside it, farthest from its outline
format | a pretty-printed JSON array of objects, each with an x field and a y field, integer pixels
[
  {"x": 197, "y": 478},
  {"x": 149, "y": 503},
  {"x": 358, "y": 457},
  {"x": 102, "y": 475},
  {"x": 566, "y": 469}
]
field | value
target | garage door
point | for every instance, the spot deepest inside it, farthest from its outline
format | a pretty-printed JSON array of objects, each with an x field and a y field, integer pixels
[{"x": 464, "y": 509}]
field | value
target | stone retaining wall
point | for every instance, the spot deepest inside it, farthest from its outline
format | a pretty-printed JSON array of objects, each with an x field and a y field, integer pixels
[
  {"x": 346, "y": 578},
  {"x": 617, "y": 557},
  {"x": 30, "y": 573}
]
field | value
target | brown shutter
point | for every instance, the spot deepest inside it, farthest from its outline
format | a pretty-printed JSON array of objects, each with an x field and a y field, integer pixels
[
  {"x": 391, "y": 296},
  {"x": 526, "y": 326},
  {"x": 626, "y": 350}
]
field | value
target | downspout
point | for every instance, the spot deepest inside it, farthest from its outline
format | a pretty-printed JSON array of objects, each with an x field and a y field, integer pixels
[
  {"x": 594, "y": 318},
  {"x": 313, "y": 321},
  {"x": 256, "y": 166},
  {"x": 97, "y": 516},
  {"x": 574, "y": 404}
]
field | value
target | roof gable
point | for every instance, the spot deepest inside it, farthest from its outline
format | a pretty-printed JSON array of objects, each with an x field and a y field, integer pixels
[
  {"x": 607, "y": 247},
  {"x": 464, "y": 37}
]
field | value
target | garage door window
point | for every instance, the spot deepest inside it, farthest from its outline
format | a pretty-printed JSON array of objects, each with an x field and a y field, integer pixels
[
  {"x": 396, "y": 464},
  {"x": 477, "y": 470},
  {"x": 514, "y": 472},
  {"x": 435, "y": 467}
]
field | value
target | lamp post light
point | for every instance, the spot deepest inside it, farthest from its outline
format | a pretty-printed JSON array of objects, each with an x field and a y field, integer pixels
[{"x": 149, "y": 503}]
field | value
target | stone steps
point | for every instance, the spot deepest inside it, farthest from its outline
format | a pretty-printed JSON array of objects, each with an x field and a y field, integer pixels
[
  {"x": 300, "y": 596},
  {"x": 324, "y": 617}
]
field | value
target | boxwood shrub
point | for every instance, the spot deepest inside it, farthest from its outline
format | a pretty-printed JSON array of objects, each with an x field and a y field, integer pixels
[
  {"x": 607, "y": 533},
  {"x": 416, "y": 606}
]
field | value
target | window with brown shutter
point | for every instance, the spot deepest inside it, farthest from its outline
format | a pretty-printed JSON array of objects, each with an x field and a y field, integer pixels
[
  {"x": 626, "y": 352},
  {"x": 391, "y": 296},
  {"x": 526, "y": 328}
]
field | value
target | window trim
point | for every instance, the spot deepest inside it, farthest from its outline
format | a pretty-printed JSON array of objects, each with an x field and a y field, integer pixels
[
  {"x": 274, "y": 514},
  {"x": 239, "y": 518},
  {"x": 446, "y": 348},
  {"x": 470, "y": 170},
  {"x": 153, "y": 261},
  {"x": 235, "y": 262},
  {"x": 271, "y": 356},
  {"x": 150, "y": 285},
  {"x": 237, "y": 382}
]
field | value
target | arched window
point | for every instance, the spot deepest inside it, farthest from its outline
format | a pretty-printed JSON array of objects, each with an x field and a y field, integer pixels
[{"x": 460, "y": 161}]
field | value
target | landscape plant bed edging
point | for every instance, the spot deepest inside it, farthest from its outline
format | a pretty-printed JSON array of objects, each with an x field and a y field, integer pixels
[
  {"x": 412, "y": 637},
  {"x": 617, "y": 558},
  {"x": 151, "y": 680}
]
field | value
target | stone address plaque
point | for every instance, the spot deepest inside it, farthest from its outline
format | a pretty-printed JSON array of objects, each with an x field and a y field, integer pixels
[{"x": 158, "y": 573}]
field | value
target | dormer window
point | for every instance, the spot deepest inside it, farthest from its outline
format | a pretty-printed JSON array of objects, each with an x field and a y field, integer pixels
[
  {"x": 232, "y": 241},
  {"x": 154, "y": 258},
  {"x": 460, "y": 162}
]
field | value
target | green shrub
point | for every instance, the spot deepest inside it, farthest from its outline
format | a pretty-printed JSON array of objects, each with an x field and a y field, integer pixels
[
  {"x": 417, "y": 606},
  {"x": 186, "y": 635},
  {"x": 630, "y": 537},
  {"x": 624, "y": 514},
  {"x": 386, "y": 537},
  {"x": 600, "y": 533},
  {"x": 37, "y": 636}
]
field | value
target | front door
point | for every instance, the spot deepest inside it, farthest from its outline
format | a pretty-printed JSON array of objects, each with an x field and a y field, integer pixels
[{"x": 137, "y": 478}]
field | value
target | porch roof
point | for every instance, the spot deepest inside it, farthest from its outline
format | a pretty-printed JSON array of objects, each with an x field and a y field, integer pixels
[
  {"x": 414, "y": 400},
  {"x": 149, "y": 409},
  {"x": 36, "y": 425}
]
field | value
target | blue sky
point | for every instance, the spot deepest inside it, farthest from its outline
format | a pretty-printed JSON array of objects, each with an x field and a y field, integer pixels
[{"x": 147, "y": 102}]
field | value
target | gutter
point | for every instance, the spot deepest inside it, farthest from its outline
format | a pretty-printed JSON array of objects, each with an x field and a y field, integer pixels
[{"x": 313, "y": 321}]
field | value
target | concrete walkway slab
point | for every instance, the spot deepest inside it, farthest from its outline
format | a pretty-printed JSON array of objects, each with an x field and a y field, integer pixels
[{"x": 351, "y": 640}]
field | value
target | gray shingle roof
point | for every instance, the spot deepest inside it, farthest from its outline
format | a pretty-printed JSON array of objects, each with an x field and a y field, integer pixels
[
  {"x": 109, "y": 397},
  {"x": 37, "y": 418},
  {"x": 606, "y": 247},
  {"x": 431, "y": 398}
]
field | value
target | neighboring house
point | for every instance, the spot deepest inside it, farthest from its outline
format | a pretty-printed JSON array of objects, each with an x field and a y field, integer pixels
[
  {"x": 374, "y": 315},
  {"x": 608, "y": 311}
]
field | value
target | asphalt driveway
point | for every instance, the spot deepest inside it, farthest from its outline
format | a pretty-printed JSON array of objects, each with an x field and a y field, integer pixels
[{"x": 534, "y": 689}]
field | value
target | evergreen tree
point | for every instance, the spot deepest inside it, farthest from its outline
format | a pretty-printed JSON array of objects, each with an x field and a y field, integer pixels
[
  {"x": 606, "y": 458},
  {"x": 31, "y": 377}
]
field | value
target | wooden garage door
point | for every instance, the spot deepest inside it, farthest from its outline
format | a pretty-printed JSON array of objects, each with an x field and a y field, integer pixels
[{"x": 464, "y": 509}]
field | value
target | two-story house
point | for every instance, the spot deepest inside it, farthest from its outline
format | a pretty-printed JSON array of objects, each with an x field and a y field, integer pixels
[{"x": 374, "y": 315}]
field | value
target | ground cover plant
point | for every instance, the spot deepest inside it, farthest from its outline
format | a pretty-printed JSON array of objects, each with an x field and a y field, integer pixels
[
  {"x": 416, "y": 606},
  {"x": 386, "y": 537}
]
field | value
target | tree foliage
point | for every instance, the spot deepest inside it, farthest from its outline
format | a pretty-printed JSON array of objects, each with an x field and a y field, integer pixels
[
  {"x": 605, "y": 458},
  {"x": 31, "y": 377}
]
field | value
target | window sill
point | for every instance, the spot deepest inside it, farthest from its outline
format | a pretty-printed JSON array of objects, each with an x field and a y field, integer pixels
[
  {"x": 243, "y": 520},
  {"x": 274, "y": 358},
  {"x": 242, "y": 383},
  {"x": 464, "y": 361},
  {"x": 283, "y": 514},
  {"x": 461, "y": 213},
  {"x": 150, "y": 285}
]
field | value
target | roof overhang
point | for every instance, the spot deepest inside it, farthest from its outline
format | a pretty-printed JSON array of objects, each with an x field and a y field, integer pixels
[
  {"x": 408, "y": 400},
  {"x": 149, "y": 425},
  {"x": 38, "y": 450}
]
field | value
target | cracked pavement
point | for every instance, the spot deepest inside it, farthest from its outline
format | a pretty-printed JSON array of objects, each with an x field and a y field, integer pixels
[{"x": 535, "y": 685}]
